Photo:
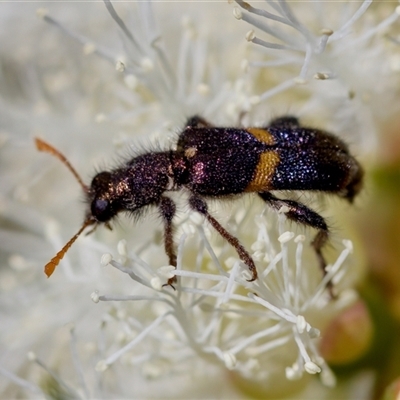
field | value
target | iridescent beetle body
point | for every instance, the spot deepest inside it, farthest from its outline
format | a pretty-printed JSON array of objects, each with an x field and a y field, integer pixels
[{"x": 218, "y": 162}]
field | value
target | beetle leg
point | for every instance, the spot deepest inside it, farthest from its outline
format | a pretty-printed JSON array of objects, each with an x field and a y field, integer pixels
[
  {"x": 301, "y": 214},
  {"x": 197, "y": 122},
  {"x": 199, "y": 205},
  {"x": 287, "y": 121},
  {"x": 167, "y": 210}
]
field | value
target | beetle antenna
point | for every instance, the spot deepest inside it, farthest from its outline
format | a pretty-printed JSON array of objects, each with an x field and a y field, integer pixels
[
  {"x": 52, "y": 264},
  {"x": 41, "y": 145}
]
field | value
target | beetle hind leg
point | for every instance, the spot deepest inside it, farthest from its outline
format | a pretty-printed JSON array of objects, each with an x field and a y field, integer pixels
[{"x": 301, "y": 214}]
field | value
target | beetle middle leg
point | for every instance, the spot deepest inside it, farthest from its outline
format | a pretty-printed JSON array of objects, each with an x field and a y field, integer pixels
[
  {"x": 301, "y": 214},
  {"x": 199, "y": 205},
  {"x": 167, "y": 210}
]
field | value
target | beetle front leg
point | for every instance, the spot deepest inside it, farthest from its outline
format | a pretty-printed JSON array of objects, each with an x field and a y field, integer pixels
[
  {"x": 301, "y": 214},
  {"x": 199, "y": 205},
  {"x": 167, "y": 211}
]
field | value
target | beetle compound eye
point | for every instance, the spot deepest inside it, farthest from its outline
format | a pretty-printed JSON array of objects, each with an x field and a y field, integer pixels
[
  {"x": 100, "y": 205},
  {"x": 101, "y": 210}
]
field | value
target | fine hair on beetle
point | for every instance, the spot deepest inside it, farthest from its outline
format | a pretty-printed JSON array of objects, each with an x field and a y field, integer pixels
[{"x": 211, "y": 163}]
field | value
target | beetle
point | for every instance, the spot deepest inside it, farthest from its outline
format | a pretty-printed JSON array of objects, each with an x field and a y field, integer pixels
[{"x": 212, "y": 162}]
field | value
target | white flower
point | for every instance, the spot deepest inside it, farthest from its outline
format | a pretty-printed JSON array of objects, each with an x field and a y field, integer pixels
[
  {"x": 246, "y": 327},
  {"x": 90, "y": 98},
  {"x": 337, "y": 56}
]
